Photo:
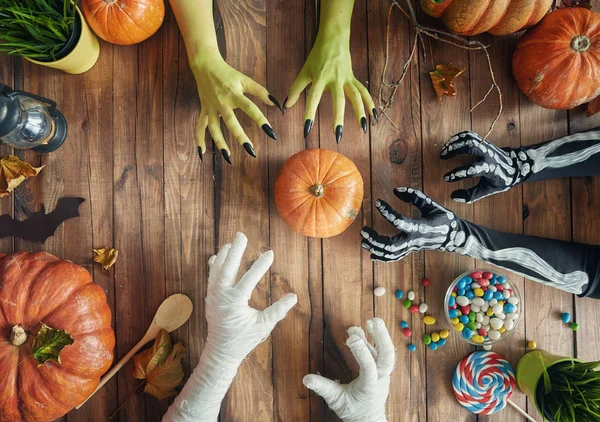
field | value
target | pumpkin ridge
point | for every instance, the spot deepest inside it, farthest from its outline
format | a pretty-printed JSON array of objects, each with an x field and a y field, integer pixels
[
  {"x": 57, "y": 306},
  {"x": 122, "y": 23},
  {"x": 301, "y": 162},
  {"x": 333, "y": 208},
  {"x": 41, "y": 379},
  {"x": 308, "y": 197},
  {"x": 135, "y": 23},
  {"x": 323, "y": 176},
  {"x": 333, "y": 164},
  {"x": 342, "y": 176}
]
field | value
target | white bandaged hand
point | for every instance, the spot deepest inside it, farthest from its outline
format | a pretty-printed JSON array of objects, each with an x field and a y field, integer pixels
[
  {"x": 234, "y": 330},
  {"x": 362, "y": 400}
]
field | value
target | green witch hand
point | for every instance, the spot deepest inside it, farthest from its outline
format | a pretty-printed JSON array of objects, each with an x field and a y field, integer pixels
[
  {"x": 329, "y": 68},
  {"x": 221, "y": 89}
]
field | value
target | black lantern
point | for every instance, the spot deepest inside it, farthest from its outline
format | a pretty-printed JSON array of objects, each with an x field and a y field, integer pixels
[{"x": 28, "y": 121}]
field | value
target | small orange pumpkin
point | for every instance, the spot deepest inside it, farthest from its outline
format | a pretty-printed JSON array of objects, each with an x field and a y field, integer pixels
[
  {"x": 498, "y": 17},
  {"x": 319, "y": 192},
  {"x": 36, "y": 289},
  {"x": 557, "y": 63},
  {"x": 124, "y": 21}
]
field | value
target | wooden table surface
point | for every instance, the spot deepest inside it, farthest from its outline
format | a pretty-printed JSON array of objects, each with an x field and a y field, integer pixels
[{"x": 131, "y": 154}]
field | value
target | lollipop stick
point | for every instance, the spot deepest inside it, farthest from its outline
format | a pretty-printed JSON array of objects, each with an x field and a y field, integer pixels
[{"x": 521, "y": 411}]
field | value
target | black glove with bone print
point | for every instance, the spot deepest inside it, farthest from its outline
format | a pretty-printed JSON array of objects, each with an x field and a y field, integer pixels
[
  {"x": 500, "y": 169},
  {"x": 569, "y": 266}
]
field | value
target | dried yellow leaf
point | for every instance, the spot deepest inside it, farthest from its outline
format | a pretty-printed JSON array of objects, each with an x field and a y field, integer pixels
[
  {"x": 106, "y": 257},
  {"x": 13, "y": 172},
  {"x": 443, "y": 79}
]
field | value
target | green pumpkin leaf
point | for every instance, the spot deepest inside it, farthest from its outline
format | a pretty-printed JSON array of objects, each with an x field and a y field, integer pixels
[{"x": 48, "y": 343}]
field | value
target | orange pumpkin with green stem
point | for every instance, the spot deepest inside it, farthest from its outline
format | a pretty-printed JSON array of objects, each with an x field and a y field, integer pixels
[
  {"x": 498, "y": 17},
  {"x": 37, "y": 291},
  {"x": 124, "y": 21},
  {"x": 319, "y": 192}
]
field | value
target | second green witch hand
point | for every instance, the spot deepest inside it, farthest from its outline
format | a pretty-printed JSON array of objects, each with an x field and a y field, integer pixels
[
  {"x": 221, "y": 89},
  {"x": 329, "y": 68}
]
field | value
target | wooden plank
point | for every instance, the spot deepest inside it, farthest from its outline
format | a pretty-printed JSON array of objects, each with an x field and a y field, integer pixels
[
  {"x": 396, "y": 161},
  {"x": 243, "y": 203},
  {"x": 347, "y": 272},
  {"x": 291, "y": 270},
  {"x": 439, "y": 123},
  {"x": 43, "y": 189},
  {"x": 130, "y": 283},
  {"x": 7, "y": 76},
  {"x": 585, "y": 201},
  {"x": 503, "y": 211},
  {"x": 189, "y": 196},
  {"x": 547, "y": 213}
]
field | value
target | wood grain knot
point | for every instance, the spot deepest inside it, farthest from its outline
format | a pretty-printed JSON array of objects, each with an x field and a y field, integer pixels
[{"x": 398, "y": 151}]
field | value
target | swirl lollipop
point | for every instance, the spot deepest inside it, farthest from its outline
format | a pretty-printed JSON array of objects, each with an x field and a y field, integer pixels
[{"x": 483, "y": 382}]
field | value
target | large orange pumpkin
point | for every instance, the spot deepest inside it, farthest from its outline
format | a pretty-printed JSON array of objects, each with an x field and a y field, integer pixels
[
  {"x": 319, "y": 192},
  {"x": 36, "y": 288},
  {"x": 557, "y": 63},
  {"x": 124, "y": 21},
  {"x": 498, "y": 17}
]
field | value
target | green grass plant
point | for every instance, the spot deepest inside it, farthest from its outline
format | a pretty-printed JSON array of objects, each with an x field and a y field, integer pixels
[
  {"x": 37, "y": 29},
  {"x": 570, "y": 392}
]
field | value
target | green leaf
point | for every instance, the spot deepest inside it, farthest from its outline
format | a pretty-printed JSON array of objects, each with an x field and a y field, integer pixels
[{"x": 48, "y": 344}]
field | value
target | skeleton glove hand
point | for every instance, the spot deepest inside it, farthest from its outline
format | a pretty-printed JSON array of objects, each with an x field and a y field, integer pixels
[
  {"x": 499, "y": 169},
  {"x": 364, "y": 398},
  {"x": 437, "y": 229}
]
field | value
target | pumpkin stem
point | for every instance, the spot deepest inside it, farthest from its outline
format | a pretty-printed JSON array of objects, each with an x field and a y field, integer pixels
[
  {"x": 18, "y": 336},
  {"x": 317, "y": 190},
  {"x": 580, "y": 43}
]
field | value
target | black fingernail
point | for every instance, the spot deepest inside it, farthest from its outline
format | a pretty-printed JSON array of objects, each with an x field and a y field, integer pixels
[
  {"x": 307, "y": 127},
  {"x": 274, "y": 101},
  {"x": 226, "y": 155},
  {"x": 338, "y": 133},
  {"x": 269, "y": 131},
  {"x": 283, "y": 108},
  {"x": 376, "y": 115},
  {"x": 249, "y": 149},
  {"x": 200, "y": 153},
  {"x": 363, "y": 124}
]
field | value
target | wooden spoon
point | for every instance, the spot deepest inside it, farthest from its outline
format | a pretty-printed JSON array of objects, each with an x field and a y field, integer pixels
[{"x": 171, "y": 314}]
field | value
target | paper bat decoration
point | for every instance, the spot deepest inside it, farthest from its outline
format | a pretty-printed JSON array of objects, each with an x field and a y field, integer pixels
[{"x": 39, "y": 226}]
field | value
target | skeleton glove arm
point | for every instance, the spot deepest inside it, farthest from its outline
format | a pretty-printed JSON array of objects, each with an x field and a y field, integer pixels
[
  {"x": 569, "y": 266},
  {"x": 362, "y": 400},
  {"x": 500, "y": 169},
  {"x": 234, "y": 330}
]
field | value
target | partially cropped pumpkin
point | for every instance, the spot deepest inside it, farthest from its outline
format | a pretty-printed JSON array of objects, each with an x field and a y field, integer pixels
[
  {"x": 319, "y": 192},
  {"x": 557, "y": 63},
  {"x": 38, "y": 288},
  {"x": 124, "y": 21},
  {"x": 498, "y": 17}
]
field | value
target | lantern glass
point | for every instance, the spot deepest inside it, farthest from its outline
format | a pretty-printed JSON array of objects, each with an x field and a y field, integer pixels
[{"x": 35, "y": 126}]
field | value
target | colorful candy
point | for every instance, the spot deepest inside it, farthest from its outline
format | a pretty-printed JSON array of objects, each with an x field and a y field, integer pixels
[
  {"x": 411, "y": 295},
  {"x": 574, "y": 326},
  {"x": 412, "y": 347},
  {"x": 433, "y": 346},
  {"x": 426, "y": 282},
  {"x": 404, "y": 324},
  {"x": 407, "y": 332},
  {"x": 435, "y": 337},
  {"x": 485, "y": 307},
  {"x": 399, "y": 294},
  {"x": 423, "y": 307},
  {"x": 532, "y": 345},
  {"x": 379, "y": 291},
  {"x": 483, "y": 382},
  {"x": 566, "y": 317},
  {"x": 429, "y": 320},
  {"x": 407, "y": 303},
  {"x": 414, "y": 308},
  {"x": 444, "y": 334},
  {"x": 426, "y": 339}
]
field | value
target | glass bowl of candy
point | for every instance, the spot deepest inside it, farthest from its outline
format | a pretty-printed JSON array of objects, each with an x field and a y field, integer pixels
[{"x": 483, "y": 307}]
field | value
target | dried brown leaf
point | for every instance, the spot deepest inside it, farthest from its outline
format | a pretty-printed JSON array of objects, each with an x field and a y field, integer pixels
[
  {"x": 160, "y": 366},
  {"x": 13, "y": 172},
  {"x": 442, "y": 78},
  {"x": 106, "y": 257}
]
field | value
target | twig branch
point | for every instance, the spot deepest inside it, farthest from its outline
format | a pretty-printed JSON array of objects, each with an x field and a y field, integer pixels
[{"x": 447, "y": 37}]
